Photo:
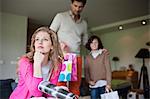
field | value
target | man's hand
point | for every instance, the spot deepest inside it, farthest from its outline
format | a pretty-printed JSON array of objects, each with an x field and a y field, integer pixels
[{"x": 64, "y": 47}]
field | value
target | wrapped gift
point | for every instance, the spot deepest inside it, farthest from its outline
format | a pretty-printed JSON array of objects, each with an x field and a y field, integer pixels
[{"x": 69, "y": 68}]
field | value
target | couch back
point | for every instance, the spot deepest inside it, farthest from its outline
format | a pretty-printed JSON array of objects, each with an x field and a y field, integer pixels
[{"x": 6, "y": 88}]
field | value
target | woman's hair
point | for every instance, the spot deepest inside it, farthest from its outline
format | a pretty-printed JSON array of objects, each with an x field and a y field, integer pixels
[
  {"x": 90, "y": 40},
  {"x": 55, "y": 54}
]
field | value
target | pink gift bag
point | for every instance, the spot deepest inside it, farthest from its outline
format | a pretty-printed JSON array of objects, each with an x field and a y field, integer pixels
[{"x": 69, "y": 68}]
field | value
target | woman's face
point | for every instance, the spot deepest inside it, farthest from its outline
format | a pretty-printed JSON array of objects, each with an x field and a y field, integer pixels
[
  {"x": 94, "y": 45},
  {"x": 43, "y": 42}
]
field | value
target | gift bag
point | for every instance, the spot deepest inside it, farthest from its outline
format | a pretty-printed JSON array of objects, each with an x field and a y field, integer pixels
[
  {"x": 69, "y": 68},
  {"x": 110, "y": 95},
  {"x": 74, "y": 67}
]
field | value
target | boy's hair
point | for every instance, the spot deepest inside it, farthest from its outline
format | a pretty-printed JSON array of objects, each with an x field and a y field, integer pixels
[
  {"x": 90, "y": 40},
  {"x": 83, "y": 1}
]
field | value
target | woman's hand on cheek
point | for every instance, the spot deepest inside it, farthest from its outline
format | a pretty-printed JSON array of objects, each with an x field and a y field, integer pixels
[{"x": 38, "y": 57}]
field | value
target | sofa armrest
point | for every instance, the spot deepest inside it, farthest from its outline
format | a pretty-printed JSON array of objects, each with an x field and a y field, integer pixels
[{"x": 5, "y": 88}]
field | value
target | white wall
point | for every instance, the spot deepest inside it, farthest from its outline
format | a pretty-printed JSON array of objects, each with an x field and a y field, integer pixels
[
  {"x": 13, "y": 37},
  {"x": 0, "y": 5},
  {"x": 0, "y": 38},
  {"x": 0, "y": 46},
  {"x": 125, "y": 44}
]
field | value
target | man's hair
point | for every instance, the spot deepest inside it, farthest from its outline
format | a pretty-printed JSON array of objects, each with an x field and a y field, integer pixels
[{"x": 83, "y": 1}]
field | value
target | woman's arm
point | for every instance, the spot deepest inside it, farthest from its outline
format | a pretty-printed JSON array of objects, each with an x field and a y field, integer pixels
[{"x": 26, "y": 75}]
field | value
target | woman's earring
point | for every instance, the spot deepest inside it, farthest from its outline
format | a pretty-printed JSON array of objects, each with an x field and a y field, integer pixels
[{"x": 51, "y": 49}]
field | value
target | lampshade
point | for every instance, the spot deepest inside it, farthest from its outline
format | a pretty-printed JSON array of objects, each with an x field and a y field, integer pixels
[
  {"x": 115, "y": 58},
  {"x": 143, "y": 53},
  {"x": 148, "y": 43}
]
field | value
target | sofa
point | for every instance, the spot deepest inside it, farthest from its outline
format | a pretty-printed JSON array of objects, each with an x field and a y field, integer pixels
[{"x": 6, "y": 88}]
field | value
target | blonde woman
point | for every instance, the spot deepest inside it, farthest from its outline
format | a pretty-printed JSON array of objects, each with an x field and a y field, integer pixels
[{"x": 41, "y": 63}]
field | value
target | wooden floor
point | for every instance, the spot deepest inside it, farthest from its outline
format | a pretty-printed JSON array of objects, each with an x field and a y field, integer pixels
[{"x": 85, "y": 97}]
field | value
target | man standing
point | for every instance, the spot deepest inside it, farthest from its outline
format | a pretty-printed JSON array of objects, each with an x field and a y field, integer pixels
[{"x": 72, "y": 31}]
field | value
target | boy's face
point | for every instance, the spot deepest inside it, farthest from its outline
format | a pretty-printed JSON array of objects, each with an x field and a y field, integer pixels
[
  {"x": 94, "y": 45},
  {"x": 77, "y": 7}
]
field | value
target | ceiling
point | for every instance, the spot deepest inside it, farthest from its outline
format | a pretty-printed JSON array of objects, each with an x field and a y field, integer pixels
[{"x": 96, "y": 12}]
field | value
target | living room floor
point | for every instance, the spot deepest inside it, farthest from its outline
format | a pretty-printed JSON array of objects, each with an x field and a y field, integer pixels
[{"x": 84, "y": 97}]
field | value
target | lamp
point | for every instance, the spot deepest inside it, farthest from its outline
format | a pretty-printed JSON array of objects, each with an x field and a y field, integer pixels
[
  {"x": 144, "y": 53},
  {"x": 148, "y": 43},
  {"x": 115, "y": 59}
]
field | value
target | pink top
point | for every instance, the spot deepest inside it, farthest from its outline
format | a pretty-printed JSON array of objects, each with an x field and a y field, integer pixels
[{"x": 28, "y": 85}]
